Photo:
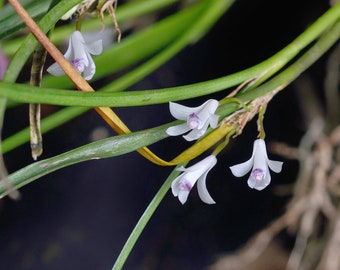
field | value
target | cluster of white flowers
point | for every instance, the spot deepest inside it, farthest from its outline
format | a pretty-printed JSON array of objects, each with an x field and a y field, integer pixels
[{"x": 197, "y": 120}]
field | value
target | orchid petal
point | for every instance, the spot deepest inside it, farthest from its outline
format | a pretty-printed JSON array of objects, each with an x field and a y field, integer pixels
[
  {"x": 260, "y": 148},
  {"x": 69, "y": 54},
  {"x": 181, "y": 186},
  {"x": 213, "y": 120},
  {"x": 95, "y": 48},
  {"x": 177, "y": 130},
  {"x": 185, "y": 181},
  {"x": 211, "y": 105},
  {"x": 55, "y": 70},
  {"x": 183, "y": 196},
  {"x": 179, "y": 111},
  {"x": 242, "y": 168},
  {"x": 275, "y": 166},
  {"x": 251, "y": 182},
  {"x": 90, "y": 70},
  {"x": 79, "y": 48},
  {"x": 175, "y": 186},
  {"x": 202, "y": 187},
  {"x": 203, "y": 191},
  {"x": 193, "y": 135}
]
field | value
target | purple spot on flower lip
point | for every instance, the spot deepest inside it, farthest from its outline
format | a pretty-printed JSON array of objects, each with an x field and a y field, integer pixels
[
  {"x": 185, "y": 185},
  {"x": 193, "y": 121},
  {"x": 78, "y": 64},
  {"x": 258, "y": 174}
]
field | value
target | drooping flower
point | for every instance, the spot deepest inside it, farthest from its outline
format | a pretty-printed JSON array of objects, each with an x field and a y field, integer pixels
[
  {"x": 182, "y": 185},
  {"x": 258, "y": 164},
  {"x": 79, "y": 55},
  {"x": 197, "y": 119}
]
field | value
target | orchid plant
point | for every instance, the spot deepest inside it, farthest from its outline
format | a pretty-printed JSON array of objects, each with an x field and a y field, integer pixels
[{"x": 206, "y": 128}]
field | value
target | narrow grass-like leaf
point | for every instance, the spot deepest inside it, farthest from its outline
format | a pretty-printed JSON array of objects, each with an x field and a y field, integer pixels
[
  {"x": 136, "y": 47},
  {"x": 12, "y": 23},
  {"x": 124, "y": 12},
  {"x": 110, "y": 147},
  {"x": 30, "y": 43},
  {"x": 145, "y": 218},
  {"x": 121, "y": 83}
]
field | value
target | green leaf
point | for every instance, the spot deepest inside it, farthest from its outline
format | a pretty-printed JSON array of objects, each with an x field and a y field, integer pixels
[
  {"x": 144, "y": 219},
  {"x": 124, "y": 12},
  {"x": 136, "y": 47},
  {"x": 110, "y": 147},
  {"x": 30, "y": 43},
  {"x": 12, "y": 23}
]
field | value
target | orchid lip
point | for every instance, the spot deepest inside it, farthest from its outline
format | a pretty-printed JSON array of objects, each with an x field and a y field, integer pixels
[
  {"x": 193, "y": 121},
  {"x": 78, "y": 64},
  {"x": 258, "y": 174},
  {"x": 185, "y": 185}
]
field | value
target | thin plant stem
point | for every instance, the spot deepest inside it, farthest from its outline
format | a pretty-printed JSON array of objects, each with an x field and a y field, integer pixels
[{"x": 143, "y": 221}]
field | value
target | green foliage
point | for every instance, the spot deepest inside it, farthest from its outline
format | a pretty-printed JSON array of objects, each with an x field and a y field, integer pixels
[{"x": 130, "y": 61}]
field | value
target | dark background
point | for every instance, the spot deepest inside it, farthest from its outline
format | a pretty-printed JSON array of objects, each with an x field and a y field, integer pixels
[{"x": 80, "y": 217}]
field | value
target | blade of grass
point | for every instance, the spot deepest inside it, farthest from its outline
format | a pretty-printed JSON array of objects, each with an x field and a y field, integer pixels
[
  {"x": 109, "y": 147},
  {"x": 144, "y": 219}
]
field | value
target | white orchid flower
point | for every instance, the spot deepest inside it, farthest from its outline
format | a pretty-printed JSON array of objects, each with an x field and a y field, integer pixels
[
  {"x": 258, "y": 164},
  {"x": 182, "y": 185},
  {"x": 79, "y": 55},
  {"x": 197, "y": 119}
]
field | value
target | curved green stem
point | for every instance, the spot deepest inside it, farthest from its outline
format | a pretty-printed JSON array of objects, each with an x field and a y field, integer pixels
[
  {"x": 149, "y": 211},
  {"x": 148, "y": 97}
]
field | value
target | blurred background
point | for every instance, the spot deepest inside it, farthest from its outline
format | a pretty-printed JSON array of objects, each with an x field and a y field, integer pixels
[{"x": 80, "y": 217}]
